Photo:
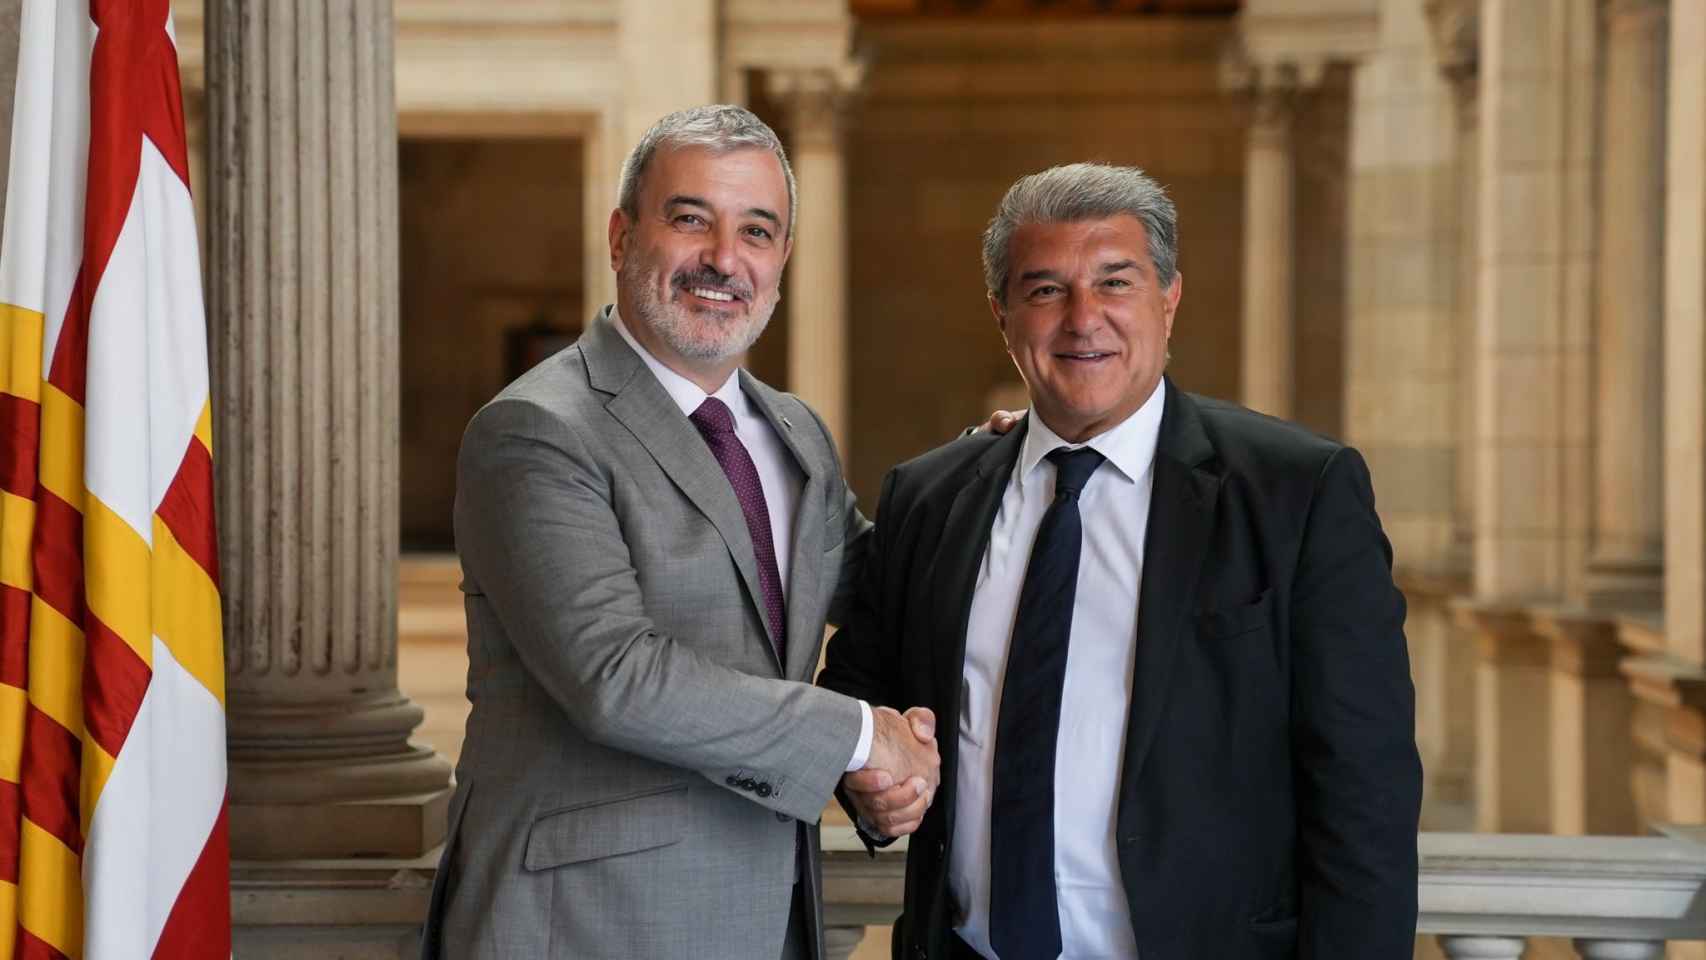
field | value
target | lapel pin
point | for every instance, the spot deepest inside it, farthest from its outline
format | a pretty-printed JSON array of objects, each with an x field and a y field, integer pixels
[{"x": 787, "y": 423}]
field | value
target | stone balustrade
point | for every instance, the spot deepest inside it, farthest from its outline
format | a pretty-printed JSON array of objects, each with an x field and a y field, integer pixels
[{"x": 1482, "y": 895}]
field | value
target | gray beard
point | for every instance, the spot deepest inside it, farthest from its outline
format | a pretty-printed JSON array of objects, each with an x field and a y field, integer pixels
[{"x": 675, "y": 324}]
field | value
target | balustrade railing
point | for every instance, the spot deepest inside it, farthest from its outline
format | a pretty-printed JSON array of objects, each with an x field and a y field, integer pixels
[{"x": 1482, "y": 895}]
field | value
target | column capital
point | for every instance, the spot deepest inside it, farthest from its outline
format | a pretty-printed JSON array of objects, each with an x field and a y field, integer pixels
[
  {"x": 1456, "y": 29},
  {"x": 1633, "y": 14},
  {"x": 1583, "y": 644},
  {"x": 1273, "y": 88},
  {"x": 1678, "y": 690},
  {"x": 816, "y": 99}
]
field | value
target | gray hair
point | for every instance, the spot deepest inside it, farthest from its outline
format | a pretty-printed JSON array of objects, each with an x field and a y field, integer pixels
[
  {"x": 1076, "y": 192},
  {"x": 720, "y": 127}
]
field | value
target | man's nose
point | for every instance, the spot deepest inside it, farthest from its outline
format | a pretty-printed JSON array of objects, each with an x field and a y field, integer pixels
[
  {"x": 720, "y": 253},
  {"x": 1082, "y": 314}
]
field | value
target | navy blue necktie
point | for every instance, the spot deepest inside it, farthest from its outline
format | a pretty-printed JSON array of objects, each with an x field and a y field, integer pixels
[{"x": 1024, "y": 913}]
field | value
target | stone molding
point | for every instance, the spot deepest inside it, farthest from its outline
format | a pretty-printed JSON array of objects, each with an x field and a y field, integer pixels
[
  {"x": 1504, "y": 634},
  {"x": 1633, "y": 14},
  {"x": 1584, "y": 644},
  {"x": 1678, "y": 689},
  {"x": 816, "y": 100}
]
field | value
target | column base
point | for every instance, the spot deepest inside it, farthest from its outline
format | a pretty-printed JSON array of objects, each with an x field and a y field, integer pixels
[
  {"x": 387, "y": 827},
  {"x": 291, "y": 909},
  {"x": 333, "y": 778},
  {"x": 1513, "y": 776},
  {"x": 1671, "y": 709}
]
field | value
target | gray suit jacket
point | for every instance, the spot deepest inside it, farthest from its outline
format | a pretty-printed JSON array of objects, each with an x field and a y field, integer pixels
[{"x": 638, "y": 765}]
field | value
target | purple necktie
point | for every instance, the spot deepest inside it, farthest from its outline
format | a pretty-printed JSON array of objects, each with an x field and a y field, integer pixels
[{"x": 717, "y": 425}]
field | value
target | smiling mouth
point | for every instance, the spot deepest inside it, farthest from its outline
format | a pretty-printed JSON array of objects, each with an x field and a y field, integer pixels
[{"x": 1085, "y": 356}]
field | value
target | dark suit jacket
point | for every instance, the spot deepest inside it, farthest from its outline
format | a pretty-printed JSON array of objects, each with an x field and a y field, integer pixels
[{"x": 1270, "y": 788}]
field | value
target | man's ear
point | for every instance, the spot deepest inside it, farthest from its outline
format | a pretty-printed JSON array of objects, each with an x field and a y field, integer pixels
[
  {"x": 1170, "y": 300},
  {"x": 618, "y": 238},
  {"x": 1000, "y": 313}
]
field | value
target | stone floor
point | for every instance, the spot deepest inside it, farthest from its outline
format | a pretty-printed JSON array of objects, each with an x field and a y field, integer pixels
[{"x": 432, "y": 669}]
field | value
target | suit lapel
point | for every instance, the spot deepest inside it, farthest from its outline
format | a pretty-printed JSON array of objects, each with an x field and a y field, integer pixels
[
  {"x": 953, "y": 576},
  {"x": 805, "y": 552},
  {"x": 1181, "y": 527},
  {"x": 642, "y": 405}
]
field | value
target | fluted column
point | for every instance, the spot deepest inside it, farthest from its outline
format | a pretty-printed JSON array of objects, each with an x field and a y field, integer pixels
[
  {"x": 1625, "y": 567},
  {"x": 302, "y": 305},
  {"x": 1269, "y": 326},
  {"x": 815, "y": 100}
]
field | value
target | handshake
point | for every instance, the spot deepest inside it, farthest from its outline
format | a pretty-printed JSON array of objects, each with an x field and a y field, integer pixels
[{"x": 895, "y": 787}]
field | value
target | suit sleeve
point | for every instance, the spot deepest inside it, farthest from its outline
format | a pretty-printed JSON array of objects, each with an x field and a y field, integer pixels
[
  {"x": 855, "y": 532},
  {"x": 1359, "y": 779},
  {"x": 864, "y": 653},
  {"x": 538, "y": 535}
]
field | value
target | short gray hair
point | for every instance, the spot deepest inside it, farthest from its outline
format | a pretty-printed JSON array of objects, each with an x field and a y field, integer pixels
[
  {"x": 1076, "y": 192},
  {"x": 719, "y": 127}
]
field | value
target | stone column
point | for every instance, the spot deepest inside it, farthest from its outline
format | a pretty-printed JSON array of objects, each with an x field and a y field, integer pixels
[
  {"x": 1669, "y": 682},
  {"x": 1461, "y": 75},
  {"x": 302, "y": 306},
  {"x": 10, "y": 10},
  {"x": 1513, "y": 773},
  {"x": 1269, "y": 328},
  {"x": 1534, "y": 320},
  {"x": 1685, "y": 339},
  {"x": 815, "y": 100},
  {"x": 1533, "y": 327},
  {"x": 1625, "y": 568},
  {"x": 1593, "y": 754}
]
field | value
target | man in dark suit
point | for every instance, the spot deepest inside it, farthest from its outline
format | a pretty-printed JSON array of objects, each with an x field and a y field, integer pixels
[{"x": 1159, "y": 631}]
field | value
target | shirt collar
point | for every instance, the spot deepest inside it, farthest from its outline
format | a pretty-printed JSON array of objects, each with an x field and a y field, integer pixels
[
  {"x": 686, "y": 394},
  {"x": 1129, "y": 445}
]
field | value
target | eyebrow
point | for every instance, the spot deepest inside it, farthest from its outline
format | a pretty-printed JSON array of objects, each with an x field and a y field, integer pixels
[
  {"x": 687, "y": 200},
  {"x": 1118, "y": 265},
  {"x": 1044, "y": 274}
]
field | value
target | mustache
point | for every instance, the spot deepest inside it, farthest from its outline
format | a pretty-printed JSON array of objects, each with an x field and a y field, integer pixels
[{"x": 709, "y": 277}]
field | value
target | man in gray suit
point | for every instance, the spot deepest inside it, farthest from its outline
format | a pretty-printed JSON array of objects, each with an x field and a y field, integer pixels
[{"x": 651, "y": 541}]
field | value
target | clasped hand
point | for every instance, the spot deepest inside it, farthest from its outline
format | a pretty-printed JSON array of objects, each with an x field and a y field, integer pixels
[{"x": 895, "y": 787}]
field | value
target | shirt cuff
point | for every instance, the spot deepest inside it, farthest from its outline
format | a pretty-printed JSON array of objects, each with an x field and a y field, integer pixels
[{"x": 867, "y": 728}]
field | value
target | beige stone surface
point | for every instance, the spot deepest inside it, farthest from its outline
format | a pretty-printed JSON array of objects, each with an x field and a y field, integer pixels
[
  {"x": 1401, "y": 373},
  {"x": 1685, "y": 336},
  {"x": 1536, "y": 56}
]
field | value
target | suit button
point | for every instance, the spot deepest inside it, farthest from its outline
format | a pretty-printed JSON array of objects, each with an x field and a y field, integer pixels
[
  {"x": 764, "y": 790},
  {"x": 782, "y": 817},
  {"x": 732, "y": 781},
  {"x": 749, "y": 784},
  {"x": 941, "y": 849}
]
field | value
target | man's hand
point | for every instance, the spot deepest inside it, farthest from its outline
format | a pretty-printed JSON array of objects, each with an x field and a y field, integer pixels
[
  {"x": 895, "y": 788},
  {"x": 1001, "y": 421}
]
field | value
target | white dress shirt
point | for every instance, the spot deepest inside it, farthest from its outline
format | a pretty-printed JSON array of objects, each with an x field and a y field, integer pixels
[
  {"x": 1094, "y": 919},
  {"x": 780, "y": 476}
]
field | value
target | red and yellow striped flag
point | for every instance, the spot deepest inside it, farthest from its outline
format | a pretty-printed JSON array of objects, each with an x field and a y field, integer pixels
[{"x": 112, "y": 720}]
